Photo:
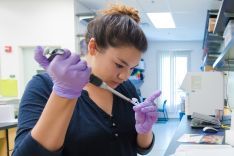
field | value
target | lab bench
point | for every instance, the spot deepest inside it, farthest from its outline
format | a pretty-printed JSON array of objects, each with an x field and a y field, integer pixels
[
  {"x": 185, "y": 128},
  {"x": 7, "y": 137}
]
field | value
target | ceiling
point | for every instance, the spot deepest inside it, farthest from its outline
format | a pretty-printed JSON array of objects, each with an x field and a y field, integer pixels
[{"x": 189, "y": 16}]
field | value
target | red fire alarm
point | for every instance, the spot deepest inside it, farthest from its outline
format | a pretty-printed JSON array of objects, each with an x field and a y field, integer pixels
[{"x": 8, "y": 49}]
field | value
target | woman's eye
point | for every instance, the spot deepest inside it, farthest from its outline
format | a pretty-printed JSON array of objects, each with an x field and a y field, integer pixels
[{"x": 119, "y": 65}]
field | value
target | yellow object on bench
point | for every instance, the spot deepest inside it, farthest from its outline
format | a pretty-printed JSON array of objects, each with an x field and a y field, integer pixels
[{"x": 8, "y": 87}]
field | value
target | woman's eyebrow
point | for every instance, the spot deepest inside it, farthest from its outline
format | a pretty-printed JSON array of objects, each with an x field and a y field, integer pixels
[
  {"x": 125, "y": 63},
  {"x": 135, "y": 66}
]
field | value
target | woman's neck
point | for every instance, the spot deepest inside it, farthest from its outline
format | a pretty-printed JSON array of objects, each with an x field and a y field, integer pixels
[
  {"x": 102, "y": 97},
  {"x": 97, "y": 92}
]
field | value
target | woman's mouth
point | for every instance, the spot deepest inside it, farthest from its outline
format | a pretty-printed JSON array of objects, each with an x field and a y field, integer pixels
[{"x": 115, "y": 84}]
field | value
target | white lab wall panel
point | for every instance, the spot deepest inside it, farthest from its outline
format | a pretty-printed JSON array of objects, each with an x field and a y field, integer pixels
[
  {"x": 33, "y": 22},
  {"x": 27, "y": 23},
  {"x": 8, "y": 64}
]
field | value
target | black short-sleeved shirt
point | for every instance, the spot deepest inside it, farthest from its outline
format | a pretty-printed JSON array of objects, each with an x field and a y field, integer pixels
[{"x": 91, "y": 131}]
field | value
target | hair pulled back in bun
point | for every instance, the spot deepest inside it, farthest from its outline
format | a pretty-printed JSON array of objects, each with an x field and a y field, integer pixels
[
  {"x": 117, "y": 26},
  {"x": 124, "y": 10}
]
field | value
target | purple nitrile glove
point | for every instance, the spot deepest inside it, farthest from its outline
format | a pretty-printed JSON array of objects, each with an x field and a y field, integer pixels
[
  {"x": 146, "y": 114},
  {"x": 68, "y": 72}
]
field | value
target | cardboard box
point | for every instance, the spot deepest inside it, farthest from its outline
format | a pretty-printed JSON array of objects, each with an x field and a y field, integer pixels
[{"x": 211, "y": 24}]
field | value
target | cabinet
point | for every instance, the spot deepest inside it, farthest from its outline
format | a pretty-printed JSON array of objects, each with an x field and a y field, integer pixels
[
  {"x": 222, "y": 56},
  {"x": 11, "y": 139},
  {"x": 3, "y": 143},
  {"x": 7, "y": 138}
]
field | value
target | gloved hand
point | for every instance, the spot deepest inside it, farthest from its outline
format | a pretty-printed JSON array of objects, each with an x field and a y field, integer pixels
[
  {"x": 68, "y": 72},
  {"x": 146, "y": 114}
]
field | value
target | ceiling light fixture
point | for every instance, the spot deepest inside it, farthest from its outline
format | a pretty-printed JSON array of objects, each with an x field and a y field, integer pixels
[{"x": 162, "y": 20}]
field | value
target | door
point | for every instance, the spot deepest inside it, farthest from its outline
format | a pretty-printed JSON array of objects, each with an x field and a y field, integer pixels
[{"x": 29, "y": 67}]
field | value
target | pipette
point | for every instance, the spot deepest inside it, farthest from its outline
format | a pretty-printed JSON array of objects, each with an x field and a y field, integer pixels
[{"x": 50, "y": 54}]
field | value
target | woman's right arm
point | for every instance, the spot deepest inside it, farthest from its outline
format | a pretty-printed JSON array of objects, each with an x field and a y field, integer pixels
[
  {"x": 51, "y": 128},
  {"x": 33, "y": 104},
  {"x": 42, "y": 127},
  {"x": 69, "y": 75}
]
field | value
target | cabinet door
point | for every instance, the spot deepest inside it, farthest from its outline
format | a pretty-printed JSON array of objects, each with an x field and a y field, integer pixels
[
  {"x": 3, "y": 143},
  {"x": 11, "y": 138}
]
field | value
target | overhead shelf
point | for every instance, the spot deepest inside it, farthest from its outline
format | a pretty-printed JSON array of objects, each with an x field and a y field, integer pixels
[
  {"x": 226, "y": 12},
  {"x": 208, "y": 35},
  {"x": 229, "y": 66},
  {"x": 212, "y": 42},
  {"x": 209, "y": 60},
  {"x": 224, "y": 60}
]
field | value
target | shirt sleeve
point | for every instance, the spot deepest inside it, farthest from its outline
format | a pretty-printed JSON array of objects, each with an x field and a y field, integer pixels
[
  {"x": 30, "y": 147},
  {"x": 31, "y": 106},
  {"x": 144, "y": 151}
]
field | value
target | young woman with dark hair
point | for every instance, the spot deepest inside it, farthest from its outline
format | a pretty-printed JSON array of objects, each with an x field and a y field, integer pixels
[{"x": 62, "y": 114}]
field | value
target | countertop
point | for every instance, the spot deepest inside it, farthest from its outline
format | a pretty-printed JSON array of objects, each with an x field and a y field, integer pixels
[
  {"x": 6, "y": 125},
  {"x": 9, "y": 100}
]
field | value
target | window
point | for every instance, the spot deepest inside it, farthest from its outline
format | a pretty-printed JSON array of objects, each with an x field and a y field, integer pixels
[{"x": 173, "y": 65}]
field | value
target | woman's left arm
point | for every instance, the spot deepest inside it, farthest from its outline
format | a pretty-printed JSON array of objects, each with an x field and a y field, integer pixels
[
  {"x": 145, "y": 140},
  {"x": 145, "y": 116}
]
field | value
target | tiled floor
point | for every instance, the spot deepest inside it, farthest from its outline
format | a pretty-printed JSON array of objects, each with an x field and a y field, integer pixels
[{"x": 163, "y": 134}]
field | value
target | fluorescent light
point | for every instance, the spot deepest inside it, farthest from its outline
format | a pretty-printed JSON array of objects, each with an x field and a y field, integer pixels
[
  {"x": 162, "y": 20},
  {"x": 86, "y": 17}
]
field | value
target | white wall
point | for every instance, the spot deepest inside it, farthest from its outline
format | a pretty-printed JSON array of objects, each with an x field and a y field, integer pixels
[
  {"x": 28, "y": 23},
  {"x": 32, "y": 22},
  {"x": 151, "y": 78},
  {"x": 229, "y": 86}
]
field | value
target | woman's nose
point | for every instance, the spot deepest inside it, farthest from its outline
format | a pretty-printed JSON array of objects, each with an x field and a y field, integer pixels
[{"x": 124, "y": 75}]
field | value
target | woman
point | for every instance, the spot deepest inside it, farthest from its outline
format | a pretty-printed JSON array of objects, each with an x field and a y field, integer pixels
[{"x": 61, "y": 113}]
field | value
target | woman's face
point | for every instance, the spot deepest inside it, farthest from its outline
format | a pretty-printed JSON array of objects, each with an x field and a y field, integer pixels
[{"x": 114, "y": 65}]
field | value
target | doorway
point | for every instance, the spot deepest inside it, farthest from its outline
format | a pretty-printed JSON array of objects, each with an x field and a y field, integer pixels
[{"x": 28, "y": 66}]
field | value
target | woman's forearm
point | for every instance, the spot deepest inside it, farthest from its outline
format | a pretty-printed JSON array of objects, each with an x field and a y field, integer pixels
[
  {"x": 51, "y": 128},
  {"x": 145, "y": 140}
]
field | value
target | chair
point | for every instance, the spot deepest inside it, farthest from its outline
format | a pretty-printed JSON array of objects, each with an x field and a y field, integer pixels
[{"x": 164, "y": 111}]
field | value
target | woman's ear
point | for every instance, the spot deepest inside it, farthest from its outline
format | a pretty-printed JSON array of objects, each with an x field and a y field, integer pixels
[{"x": 92, "y": 46}]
